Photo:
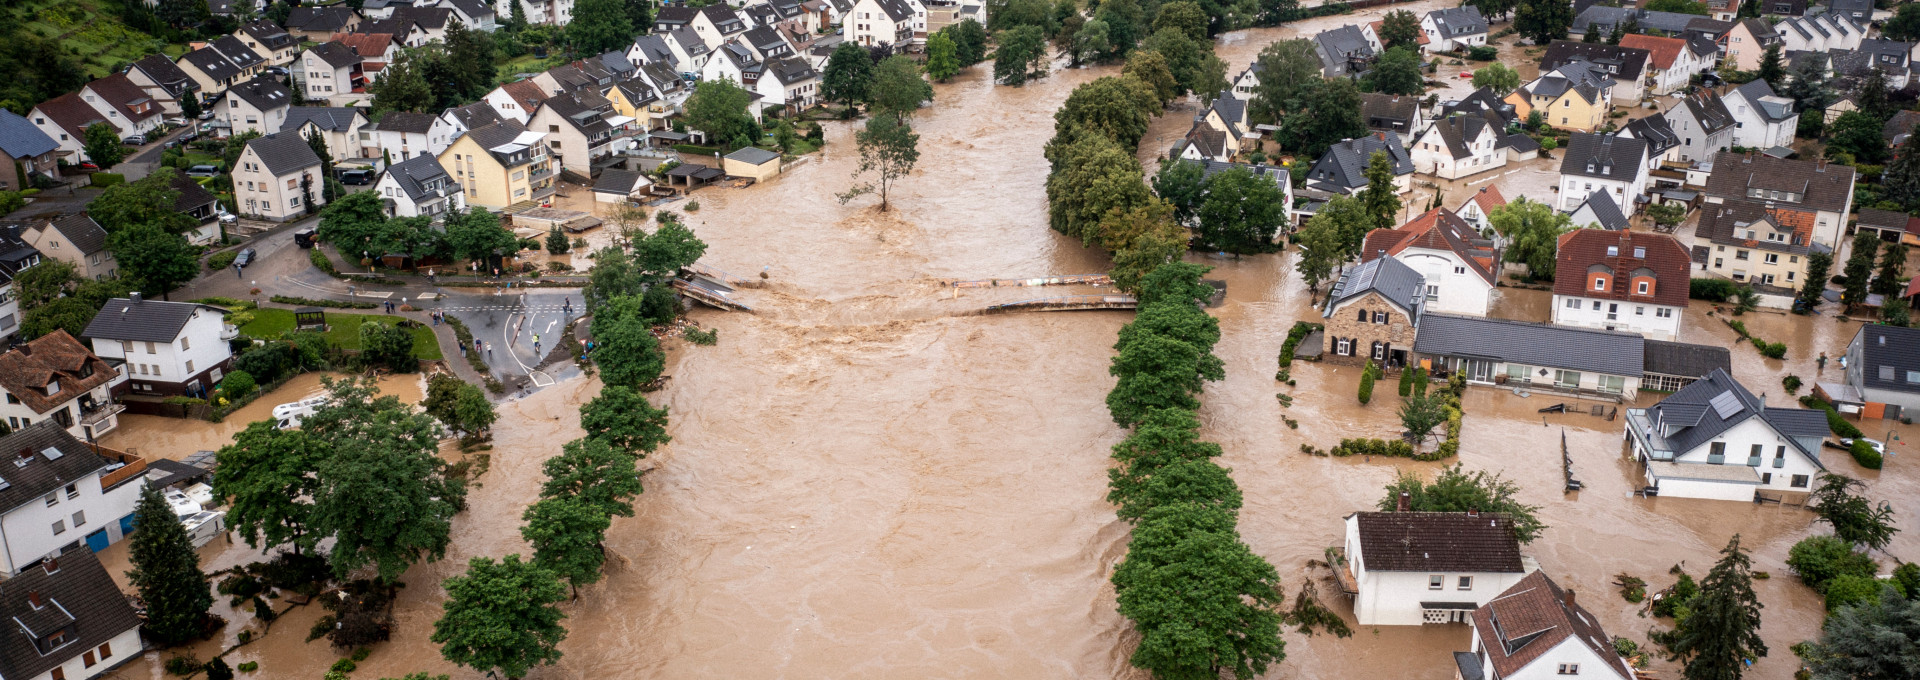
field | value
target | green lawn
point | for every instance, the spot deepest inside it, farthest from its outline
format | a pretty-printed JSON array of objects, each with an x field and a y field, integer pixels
[
  {"x": 343, "y": 330},
  {"x": 91, "y": 32}
]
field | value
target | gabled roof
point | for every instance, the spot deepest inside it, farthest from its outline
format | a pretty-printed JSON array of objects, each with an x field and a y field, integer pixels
[
  {"x": 1619, "y": 61},
  {"x": 71, "y": 113},
  {"x": 335, "y": 54},
  {"x": 1725, "y": 223},
  {"x": 1488, "y": 197},
  {"x": 320, "y": 19},
  {"x": 1437, "y": 229},
  {"x": 57, "y": 360},
  {"x": 1385, "y": 106},
  {"x": 1533, "y": 617},
  {"x": 406, "y": 122},
  {"x": 653, "y": 48},
  {"x": 473, "y": 115},
  {"x": 269, "y": 35},
  {"x": 1390, "y": 278},
  {"x": 1898, "y": 127},
  {"x": 69, "y": 461},
  {"x": 690, "y": 41},
  {"x": 1699, "y": 412},
  {"x": 165, "y": 73},
  {"x": 791, "y": 70},
  {"x": 1335, "y": 46},
  {"x": 675, "y": 16},
  {"x": 1531, "y": 344},
  {"x": 1458, "y": 133},
  {"x": 1626, "y": 255},
  {"x": 526, "y": 93},
  {"x": 237, "y": 52},
  {"x": 1759, "y": 95},
  {"x": 212, "y": 63},
  {"x": 192, "y": 195},
  {"x": 367, "y": 45},
  {"x": 1685, "y": 360},
  {"x": 264, "y": 92},
  {"x": 1825, "y": 186},
  {"x": 145, "y": 320},
  {"x": 120, "y": 91},
  {"x": 1607, "y": 156},
  {"x": 415, "y": 175},
  {"x": 898, "y": 10},
  {"x": 476, "y": 9},
  {"x": 1583, "y": 78},
  {"x": 84, "y": 234},
  {"x": 1891, "y": 346},
  {"x": 20, "y": 139},
  {"x": 78, "y": 593},
  {"x": 617, "y": 181},
  {"x": 328, "y": 118},
  {"x": 1458, "y": 21},
  {"x": 282, "y": 153},
  {"x": 1661, "y": 52},
  {"x": 1606, "y": 213},
  {"x": 1438, "y": 542},
  {"x": 1344, "y": 165},
  {"x": 729, "y": 21},
  {"x": 1656, "y": 131}
]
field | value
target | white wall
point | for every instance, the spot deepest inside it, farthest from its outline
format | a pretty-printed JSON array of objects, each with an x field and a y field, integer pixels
[
  {"x": 124, "y": 646},
  {"x": 1740, "y": 440},
  {"x": 28, "y": 530},
  {"x": 19, "y": 415},
  {"x": 1392, "y": 598},
  {"x": 1459, "y": 290},
  {"x": 1717, "y": 491},
  {"x": 198, "y": 348},
  {"x": 1633, "y": 317}
]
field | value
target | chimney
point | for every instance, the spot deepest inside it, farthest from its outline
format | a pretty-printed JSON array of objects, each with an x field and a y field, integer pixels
[
  {"x": 135, "y": 296},
  {"x": 1567, "y": 597},
  {"x": 33, "y": 599},
  {"x": 1473, "y": 512},
  {"x": 1406, "y": 502},
  {"x": 52, "y": 565}
]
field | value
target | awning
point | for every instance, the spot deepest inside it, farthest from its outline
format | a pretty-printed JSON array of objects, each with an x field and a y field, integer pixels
[{"x": 1468, "y": 606}]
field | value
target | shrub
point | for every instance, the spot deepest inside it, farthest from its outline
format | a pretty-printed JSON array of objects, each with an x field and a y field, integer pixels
[
  {"x": 1774, "y": 350},
  {"x": 249, "y": 667},
  {"x": 310, "y": 302},
  {"x": 217, "y": 669},
  {"x": 700, "y": 337},
  {"x": 361, "y": 653},
  {"x": 1864, "y": 454},
  {"x": 1791, "y": 383},
  {"x": 104, "y": 180},
  {"x": 221, "y": 260},
  {"x": 237, "y": 384},
  {"x": 1299, "y": 332},
  {"x": 1366, "y": 382},
  {"x": 1483, "y": 53},
  {"x": 1739, "y": 327},
  {"x": 321, "y": 262},
  {"x": 344, "y": 666},
  {"x": 1678, "y": 598},
  {"x": 1820, "y": 559},
  {"x": 1715, "y": 290},
  {"x": 183, "y": 665},
  {"x": 693, "y": 206},
  {"x": 1852, "y": 589}
]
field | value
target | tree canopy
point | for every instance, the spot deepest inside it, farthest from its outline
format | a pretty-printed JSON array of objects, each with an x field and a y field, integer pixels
[
  {"x": 621, "y": 417},
  {"x": 266, "y": 476},
  {"x": 848, "y": 76},
  {"x": 1456, "y": 490},
  {"x": 501, "y": 616},
  {"x": 888, "y": 150},
  {"x": 1020, "y": 56},
  {"x": 600, "y": 26},
  {"x": 166, "y": 572},
  {"x": 897, "y": 87},
  {"x": 382, "y": 493},
  {"x": 595, "y": 473},
  {"x": 719, "y": 109},
  {"x": 1722, "y": 632},
  {"x": 1532, "y": 230}
]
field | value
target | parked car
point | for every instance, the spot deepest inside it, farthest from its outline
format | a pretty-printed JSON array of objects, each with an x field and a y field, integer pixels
[
  {"x": 244, "y": 258},
  {"x": 88, "y": 165},
  {"x": 289, "y": 415},
  {"x": 135, "y": 140},
  {"x": 356, "y": 177},
  {"x": 206, "y": 115},
  {"x": 203, "y": 171},
  {"x": 303, "y": 238},
  {"x": 278, "y": 70}
]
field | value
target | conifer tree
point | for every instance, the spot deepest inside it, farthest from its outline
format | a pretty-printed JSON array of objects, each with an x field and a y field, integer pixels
[{"x": 166, "y": 570}]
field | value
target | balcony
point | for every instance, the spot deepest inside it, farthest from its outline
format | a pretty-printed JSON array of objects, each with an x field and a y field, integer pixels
[
  {"x": 102, "y": 412},
  {"x": 131, "y": 467}
]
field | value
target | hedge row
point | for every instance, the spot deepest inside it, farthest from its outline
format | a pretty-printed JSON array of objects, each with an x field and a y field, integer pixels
[
  {"x": 1835, "y": 422},
  {"x": 1300, "y": 331}
]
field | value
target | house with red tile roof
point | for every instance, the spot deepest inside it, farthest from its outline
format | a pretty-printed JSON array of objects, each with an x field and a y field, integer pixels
[
  {"x": 1621, "y": 281},
  {"x": 55, "y": 377},
  {"x": 1536, "y": 629},
  {"x": 1457, "y": 263},
  {"x": 1414, "y": 568},
  {"x": 1477, "y": 207},
  {"x": 65, "y": 118},
  {"x": 1672, "y": 61},
  {"x": 517, "y": 100},
  {"x": 376, "y": 50}
]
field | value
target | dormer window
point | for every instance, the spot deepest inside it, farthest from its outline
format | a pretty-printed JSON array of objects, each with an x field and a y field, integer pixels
[
  {"x": 53, "y": 388},
  {"x": 1613, "y": 251}
]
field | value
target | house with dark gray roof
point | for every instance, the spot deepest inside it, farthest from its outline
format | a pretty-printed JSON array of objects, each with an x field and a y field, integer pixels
[
  {"x": 1459, "y": 146},
  {"x": 267, "y": 39},
  {"x": 1658, "y": 133},
  {"x": 1388, "y": 113},
  {"x": 1861, "y": 11},
  {"x": 258, "y": 105},
  {"x": 30, "y": 150},
  {"x": 418, "y": 186},
  {"x": 278, "y": 178},
  {"x": 1819, "y": 193},
  {"x": 1599, "y": 211},
  {"x": 1417, "y": 568},
  {"x": 57, "y": 493},
  {"x": 333, "y": 73},
  {"x": 1605, "y": 18},
  {"x": 77, "y": 240},
  {"x": 1714, "y": 439},
  {"x": 1625, "y": 65},
  {"x": 163, "y": 80},
  {"x": 1454, "y": 28},
  {"x": 212, "y": 72},
  {"x": 69, "y": 620},
  {"x": 339, "y": 127},
  {"x": 1603, "y": 162},
  {"x": 1345, "y": 52},
  {"x": 1543, "y": 357},
  {"x": 1882, "y": 373},
  {"x": 317, "y": 23},
  {"x": 1704, "y": 126},
  {"x": 1572, "y": 96},
  {"x": 1673, "y": 365},
  {"x": 1342, "y": 169},
  {"x": 1373, "y": 312},
  {"x": 1762, "y": 119},
  {"x": 169, "y": 348}
]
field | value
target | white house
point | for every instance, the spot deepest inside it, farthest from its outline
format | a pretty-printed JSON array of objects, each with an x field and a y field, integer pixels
[
  {"x": 1453, "y": 28},
  {"x": 1537, "y": 631},
  {"x": 1479, "y": 207},
  {"x": 1602, "y": 162},
  {"x": 60, "y": 493},
  {"x": 258, "y": 105},
  {"x": 555, "y": 12},
  {"x": 1714, "y": 439},
  {"x": 126, "y": 106},
  {"x": 339, "y": 128},
  {"x": 1672, "y": 62},
  {"x": 1458, "y": 146},
  {"x": 1761, "y": 119},
  {"x": 452, "y": 123},
  {"x": 1622, "y": 280},
  {"x": 167, "y": 348},
  {"x": 54, "y": 377},
  {"x": 331, "y": 72},
  {"x": 516, "y": 100},
  {"x": 399, "y": 135},
  {"x": 1543, "y": 357},
  {"x": 1704, "y": 126},
  {"x": 419, "y": 186},
  {"x": 276, "y": 177},
  {"x": 1413, "y": 568},
  {"x": 1599, "y": 211},
  {"x": 1820, "y": 32},
  {"x": 881, "y": 22},
  {"x": 1455, "y": 261},
  {"x": 73, "y": 618}
]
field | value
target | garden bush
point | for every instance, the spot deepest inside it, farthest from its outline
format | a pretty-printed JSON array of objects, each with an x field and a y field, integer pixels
[
  {"x": 1367, "y": 376},
  {"x": 1821, "y": 559},
  {"x": 1716, "y": 290},
  {"x": 1791, "y": 383},
  {"x": 103, "y": 180},
  {"x": 1483, "y": 53},
  {"x": 1835, "y": 422},
  {"x": 237, "y": 384},
  {"x": 1677, "y": 599},
  {"x": 309, "y": 302},
  {"x": 1852, "y": 589},
  {"x": 1864, "y": 454},
  {"x": 221, "y": 260},
  {"x": 1299, "y": 332}
]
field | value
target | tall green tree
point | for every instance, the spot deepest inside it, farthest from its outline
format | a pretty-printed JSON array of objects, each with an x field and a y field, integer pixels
[
  {"x": 1722, "y": 634},
  {"x": 1185, "y": 16},
  {"x": 567, "y": 536},
  {"x": 158, "y": 260},
  {"x": 640, "y": 14},
  {"x": 1893, "y": 268},
  {"x": 1242, "y": 213},
  {"x": 1286, "y": 68},
  {"x": 1150, "y": 67},
  {"x": 472, "y": 55},
  {"x": 1120, "y": 108},
  {"x": 1095, "y": 175},
  {"x": 1127, "y": 22},
  {"x": 502, "y": 616},
  {"x": 383, "y": 494},
  {"x": 475, "y": 234},
  {"x": 1155, "y": 372},
  {"x": 1900, "y": 181},
  {"x": 1183, "y": 185},
  {"x": 888, "y": 150},
  {"x": 600, "y": 26},
  {"x": 1195, "y": 67},
  {"x": 1859, "y": 269},
  {"x": 1381, "y": 196},
  {"x": 1772, "y": 69},
  {"x": 1904, "y": 26},
  {"x": 969, "y": 42},
  {"x": 101, "y": 143},
  {"x": 1818, "y": 266},
  {"x": 595, "y": 473},
  {"x": 1142, "y": 240},
  {"x": 1879, "y": 638},
  {"x": 621, "y": 417},
  {"x": 1493, "y": 9},
  {"x": 1400, "y": 28},
  {"x": 1321, "y": 242},
  {"x": 1532, "y": 230},
  {"x": 148, "y": 200},
  {"x": 943, "y": 60},
  {"x": 1397, "y": 72},
  {"x": 658, "y": 257},
  {"x": 1202, "y": 602},
  {"x": 1021, "y": 56},
  {"x": 1163, "y": 438},
  {"x": 848, "y": 76},
  {"x": 1454, "y": 489},
  {"x": 719, "y": 109},
  {"x": 1871, "y": 97},
  {"x": 401, "y": 87},
  {"x": 1330, "y": 112},
  {"x": 266, "y": 478},
  {"x": 166, "y": 571},
  {"x": 1091, "y": 42},
  {"x": 897, "y": 88},
  {"x": 1497, "y": 77},
  {"x": 1542, "y": 21},
  {"x": 458, "y": 404},
  {"x": 625, "y": 349},
  {"x": 1854, "y": 519},
  {"x": 1419, "y": 415}
]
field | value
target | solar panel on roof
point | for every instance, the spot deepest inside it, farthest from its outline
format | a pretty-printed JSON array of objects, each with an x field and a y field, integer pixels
[
  {"x": 52, "y": 453},
  {"x": 1726, "y": 404}
]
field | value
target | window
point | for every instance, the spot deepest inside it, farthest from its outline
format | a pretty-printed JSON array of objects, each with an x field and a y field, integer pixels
[
  {"x": 1436, "y": 582},
  {"x": 1717, "y": 454},
  {"x": 126, "y": 346},
  {"x": 80, "y": 518},
  {"x": 1913, "y": 376},
  {"x": 73, "y": 491},
  {"x": 1799, "y": 481},
  {"x": 1343, "y": 348},
  {"x": 1596, "y": 305},
  {"x": 87, "y": 659},
  {"x": 1599, "y": 283},
  {"x": 1466, "y": 583},
  {"x": 1886, "y": 373},
  {"x": 1639, "y": 310},
  {"x": 1780, "y": 457},
  {"x": 1641, "y": 287},
  {"x": 1363, "y": 316},
  {"x": 1569, "y": 669},
  {"x": 1612, "y": 384},
  {"x": 184, "y": 344},
  {"x": 106, "y": 651},
  {"x": 1459, "y": 270},
  {"x": 1572, "y": 303},
  {"x": 1741, "y": 254},
  {"x": 52, "y": 499},
  {"x": 1380, "y": 317},
  {"x": 1773, "y": 258},
  {"x": 58, "y": 673},
  {"x": 59, "y": 527},
  {"x": 189, "y": 366},
  {"x": 1755, "y": 454},
  {"x": 1379, "y": 351},
  {"x": 1565, "y": 378}
]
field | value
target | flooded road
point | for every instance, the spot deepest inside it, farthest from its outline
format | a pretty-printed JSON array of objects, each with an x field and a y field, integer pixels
[
  {"x": 867, "y": 480},
  {"x": 177, "y": 438}
]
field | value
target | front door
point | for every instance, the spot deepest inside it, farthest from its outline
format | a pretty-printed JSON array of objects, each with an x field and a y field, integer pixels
[{"x": 97, "y": 541}]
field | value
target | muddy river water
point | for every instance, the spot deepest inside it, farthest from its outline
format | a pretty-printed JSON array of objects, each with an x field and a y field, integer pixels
[{"x": 869, "y": 481}]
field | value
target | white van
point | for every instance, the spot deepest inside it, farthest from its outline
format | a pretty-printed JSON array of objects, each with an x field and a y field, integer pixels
[{"x": 288, "y": 416}]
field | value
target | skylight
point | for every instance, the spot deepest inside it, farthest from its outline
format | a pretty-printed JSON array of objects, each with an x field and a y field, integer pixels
[{"x": 1727, "y": 404}]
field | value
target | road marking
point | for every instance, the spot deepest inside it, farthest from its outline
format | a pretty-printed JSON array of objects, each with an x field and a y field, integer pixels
[
  {"x": 536, "y": 376},
  {"x": 382, "y": 294},
  {"x": 550, "y": 325}
]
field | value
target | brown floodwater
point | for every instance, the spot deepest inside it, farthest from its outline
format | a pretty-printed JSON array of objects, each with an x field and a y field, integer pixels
[
  {"x": 867, "y": 480},
  {"x": 177, "y": 438}
]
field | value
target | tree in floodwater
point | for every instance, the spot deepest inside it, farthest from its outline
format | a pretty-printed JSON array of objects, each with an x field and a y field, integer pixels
[
  {"x": 1456, "y": 490},
  {"x": 593, "y": 472},
  {"x": 1855, "y": 519},
  {"x": 1721, "y": 634},
  {"x": 888, "y": 148},
  {"x": 166, "y": 571},
  {"x": 501, "y": 617},
  {"x": 567, "y": 536},
  {"x": 1202, "y": 601},
  {"x": 621, "y": 417}
]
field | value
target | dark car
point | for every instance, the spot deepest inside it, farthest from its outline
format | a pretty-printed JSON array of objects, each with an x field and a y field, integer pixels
[
  {"x": 356, "y": 177},
  {"x": 278, "y": 71},
  {"x": 303, "y": 238},
  {"x": 244, "y": 258},
  {"x": 203, "y": 171}
]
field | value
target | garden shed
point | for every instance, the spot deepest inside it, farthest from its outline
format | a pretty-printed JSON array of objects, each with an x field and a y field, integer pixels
[{"x": 754, "y": 163}]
